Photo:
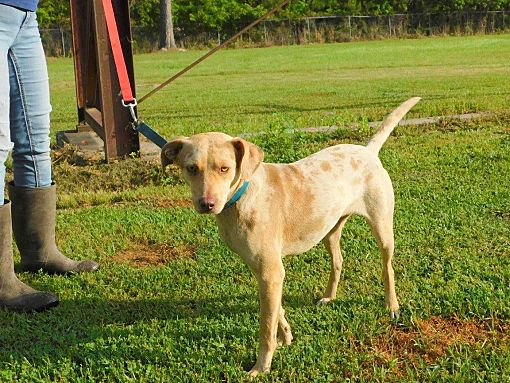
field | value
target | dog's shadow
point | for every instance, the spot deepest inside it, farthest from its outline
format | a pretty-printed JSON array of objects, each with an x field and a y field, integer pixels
[
  {"x": 84, "y": 330},
  {"x": 154, "y": 330}
]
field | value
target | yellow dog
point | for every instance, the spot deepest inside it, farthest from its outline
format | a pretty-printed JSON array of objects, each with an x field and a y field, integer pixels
[{"x": 267, "y": 211}]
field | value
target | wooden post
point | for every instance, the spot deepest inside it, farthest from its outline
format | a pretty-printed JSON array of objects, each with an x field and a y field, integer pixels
[{"x": 97, "y": 86}]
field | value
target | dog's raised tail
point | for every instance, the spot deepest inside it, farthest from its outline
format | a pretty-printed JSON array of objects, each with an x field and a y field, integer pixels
[{"x": 377, "y": 141}]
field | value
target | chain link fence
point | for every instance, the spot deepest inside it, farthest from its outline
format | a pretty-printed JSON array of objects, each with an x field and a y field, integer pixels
[{"x": 309, "y": 30}]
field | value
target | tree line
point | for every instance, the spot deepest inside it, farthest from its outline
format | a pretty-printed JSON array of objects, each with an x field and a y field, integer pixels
[{"x": 224, "y": 15}]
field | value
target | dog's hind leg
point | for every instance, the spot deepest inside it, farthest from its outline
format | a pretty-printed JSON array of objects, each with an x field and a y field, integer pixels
[
  {"x": 332, "y": 243},
  {"x": 284, "y": 333},
  {"x": 382, "y": 229}
]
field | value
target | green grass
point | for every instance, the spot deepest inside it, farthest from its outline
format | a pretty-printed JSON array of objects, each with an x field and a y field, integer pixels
[
  {"x": 195, "y": 319},
  {"x": 248, "y": 89}
]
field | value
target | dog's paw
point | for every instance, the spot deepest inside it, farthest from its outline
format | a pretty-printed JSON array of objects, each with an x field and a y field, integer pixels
[
  {"x": 255, "y": 371},
  {"x": 285, "y": 339},
  {"x": 394, "y": 315},
  {"x": 284, "y": 335},
  {"x": 323, "y": 301}
]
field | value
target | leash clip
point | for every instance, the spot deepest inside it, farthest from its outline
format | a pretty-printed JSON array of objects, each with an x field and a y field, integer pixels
[
  {"x": 141, "y": 127},
  {"x": 131, "y": 106}
]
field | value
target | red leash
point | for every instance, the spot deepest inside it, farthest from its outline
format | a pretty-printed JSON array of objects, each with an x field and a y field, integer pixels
[{"x": 118, "y": 55}]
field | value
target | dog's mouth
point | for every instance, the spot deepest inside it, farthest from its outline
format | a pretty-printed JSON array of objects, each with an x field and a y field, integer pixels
[
  {"x": 203, "y": 211},
  {"x": 208, "y": 212}
]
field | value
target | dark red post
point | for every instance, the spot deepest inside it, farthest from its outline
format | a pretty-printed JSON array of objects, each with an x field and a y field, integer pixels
[{"x": 97, "y": 87}]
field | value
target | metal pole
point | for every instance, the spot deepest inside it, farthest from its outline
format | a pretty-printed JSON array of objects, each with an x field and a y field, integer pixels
[
  {"x": 308, "y": 29},
  {"x": 63, "y": 42},
  {"x": 350, "y": 29},
  {"x": 389, "y": 23}
]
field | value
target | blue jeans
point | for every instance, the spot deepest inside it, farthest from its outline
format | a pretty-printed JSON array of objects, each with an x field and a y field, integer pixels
[{"x": 24, "y": 100}]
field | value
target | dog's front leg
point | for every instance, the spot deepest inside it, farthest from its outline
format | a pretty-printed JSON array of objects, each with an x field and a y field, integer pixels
[{"x": 270, "y": 277}]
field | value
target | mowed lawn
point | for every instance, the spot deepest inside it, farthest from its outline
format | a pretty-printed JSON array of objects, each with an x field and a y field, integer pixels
[
  {"x": 172, "y": 304},
  {"x": 300, "y": 86}
]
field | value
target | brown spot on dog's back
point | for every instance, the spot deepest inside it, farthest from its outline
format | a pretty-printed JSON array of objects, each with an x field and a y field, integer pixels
[
  {"x": 250, "y": 220},
  {"x": 369, "y": 177},
  {"x": 292, "y": 201},
  {"x": 293, "y": 173},
  {"x": 355, "y": 163},
  {"x": 274, "y": 179},
  {"x": 299, "y": 215},
  {"x": 158, "y": 254},
  {"x": 296, "y": 170},
  {"x": 357, "y": 181},
  {"x": 339, "y": 155},
  {"x": 325, "y": 166}
]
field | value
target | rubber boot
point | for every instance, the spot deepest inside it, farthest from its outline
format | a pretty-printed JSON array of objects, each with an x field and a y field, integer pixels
[
  {"x": 33, "y": 222},
  {"x": 14, "y": 294}
]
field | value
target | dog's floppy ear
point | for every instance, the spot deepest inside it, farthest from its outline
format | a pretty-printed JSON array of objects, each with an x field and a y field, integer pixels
[
  {"x": 171, "y": 150},
  {"x": 248, "y": 157}
]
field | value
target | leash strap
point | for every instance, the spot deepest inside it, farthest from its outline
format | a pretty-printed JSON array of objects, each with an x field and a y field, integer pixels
[
  {"x": 214, "y": 50},
  {"x": 150, "y": 133},
  {"x": 238, "y": 194},
  {"x": 118, "y": 55}
]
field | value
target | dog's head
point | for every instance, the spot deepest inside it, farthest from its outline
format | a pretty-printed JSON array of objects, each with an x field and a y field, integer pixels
[{"x": 213, "y": 165}]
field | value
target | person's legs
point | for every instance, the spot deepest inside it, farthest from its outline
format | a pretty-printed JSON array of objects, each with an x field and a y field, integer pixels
[
  {"x": 32, "y": 193},
  {"x": 29, "y": 108},
  {"x": 14, "y": 294},
  {"x": 10, "y": 22}
]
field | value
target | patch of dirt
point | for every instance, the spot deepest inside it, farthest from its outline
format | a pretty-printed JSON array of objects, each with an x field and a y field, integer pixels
[
  {"x": 428, "y": 341},
  {"x": 70, "y": 154},
  {"x": 120, "y": 175},
  {"x": 159, "y": 254}
]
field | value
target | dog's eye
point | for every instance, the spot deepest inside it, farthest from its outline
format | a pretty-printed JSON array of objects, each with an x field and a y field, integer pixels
[
  {"x": 224, "y": 169},
  {"x": 192, "y": 169}
]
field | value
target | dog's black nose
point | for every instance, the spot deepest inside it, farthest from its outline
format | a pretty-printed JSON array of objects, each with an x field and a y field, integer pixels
[{"x": 206, "y": 204}]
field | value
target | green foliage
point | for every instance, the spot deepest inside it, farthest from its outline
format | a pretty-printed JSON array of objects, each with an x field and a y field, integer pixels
[
  {"x": 227, "y": 14},
  {"x": 145, "y": 12},
  {"x": 217, "y": 14},
  {"x": 53, "y": 13}
]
